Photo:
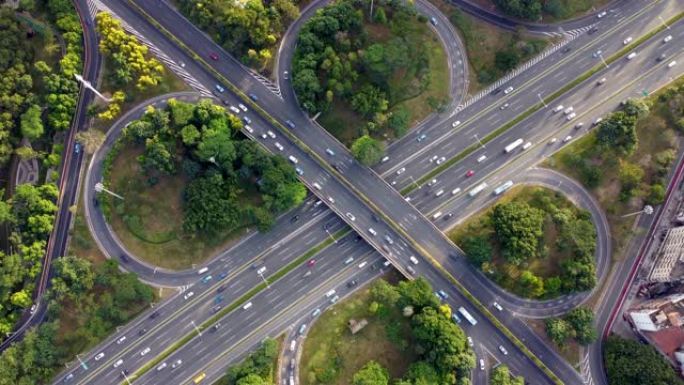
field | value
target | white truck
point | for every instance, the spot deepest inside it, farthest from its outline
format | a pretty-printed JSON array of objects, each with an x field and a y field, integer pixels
[
  {"x": 513, "y": 145},
  {"x": 478, "y": 189},
  {"x": 503, "y": 187}
]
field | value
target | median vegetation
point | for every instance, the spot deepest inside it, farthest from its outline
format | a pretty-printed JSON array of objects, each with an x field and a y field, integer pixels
[
  {"x": 534, "y": 243},
  {"x": 409, "y": 339},
  {"x": 624, "y": 163},
  {"x": 189, "y": 180},
  {"x": 369, "y": 74}
]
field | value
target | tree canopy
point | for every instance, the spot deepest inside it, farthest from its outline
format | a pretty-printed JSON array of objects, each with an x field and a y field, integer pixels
[
  {"x": 367, "y": 150},
  {"x": 518, "y": 228},
  {"x": 371, "y": 374},
  {"x": 629, "y": 362}
]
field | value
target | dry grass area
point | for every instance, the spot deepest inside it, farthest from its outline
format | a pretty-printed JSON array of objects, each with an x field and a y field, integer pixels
[
  {"x": 332, "y": 354},
  {"x": 149, "y": 220}
]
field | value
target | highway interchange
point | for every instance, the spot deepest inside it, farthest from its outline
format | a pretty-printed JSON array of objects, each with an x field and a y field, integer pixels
[{"x": 367, "y": 181}]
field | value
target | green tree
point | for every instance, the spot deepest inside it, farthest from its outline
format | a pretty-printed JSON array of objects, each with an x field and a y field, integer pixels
[
  {"x": 559, "y": 330},
  {"x": 367, "y": 150},
  {"x": 618, "y": 133},
  {"x": 73, "y": 275},
  {"x": 631, "y": 176},
  {"x": 518, "y": 228},
  {"x": 210, "y": 205},
  {"x": 532, "y": 285},
  {"x": 399, "y": 120},
  {"x": 31, "y": 123},
  {"x": 582, "y": 321},
  {"x": 629, "y": 362},
  {"x": 656, "y": 194},
  {"x": 371, "y": 374},
  {"x": 477, "y": 248},
  {"x": 502, "y": 376}
]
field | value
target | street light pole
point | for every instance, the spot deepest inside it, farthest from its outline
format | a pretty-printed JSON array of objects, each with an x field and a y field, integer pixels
[
  {"x": 268, "y": 285},
  {"x": 603, "y": 60},
  {"x": 99, "y": 187},
  {"x": 199, "y": 332},
  {"x": 330, "y": 235},
  {"x": 648, "y": 210},
  {"x": 83, "y": 364},
  {"x": 126, "y": 377},
  {"x": 542, "y": 100},
  {"x": 478, "y": 140},
  {"x": 663, "y": 21}
]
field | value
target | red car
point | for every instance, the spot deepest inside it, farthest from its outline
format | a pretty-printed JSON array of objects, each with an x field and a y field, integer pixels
[
  {"x": 470, "y": 173},
  {"x": 311, "y": 263},
  {"x": 213, "y": 56}
]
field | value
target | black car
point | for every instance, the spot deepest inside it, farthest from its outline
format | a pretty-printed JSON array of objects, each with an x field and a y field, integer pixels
[
  {"x": 154, "y": 315},
  {"x": 294, "y": 219},
  {"x": 375, "y": 218},
  {"x": 593, "y": 31},
  {"x": 496, "y": 91},
  {"x": 221, "y": 289},
  {"x": 566, "y": 49},
  {"x": 253, "y": 97},
  {"x": 142, "y": 331},
  {"x": 215, "y": 327},
  {"x": 124, "y": 258},
  {"x": 352, "y": 283},
  {"x": 290, "y": 124}
]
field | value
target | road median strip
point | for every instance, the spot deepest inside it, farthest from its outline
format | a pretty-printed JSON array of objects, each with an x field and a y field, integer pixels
[{"x": 239, "y": 302}]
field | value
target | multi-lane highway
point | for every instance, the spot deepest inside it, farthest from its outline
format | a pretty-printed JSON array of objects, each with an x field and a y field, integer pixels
[{"x": 343, "y": 198}]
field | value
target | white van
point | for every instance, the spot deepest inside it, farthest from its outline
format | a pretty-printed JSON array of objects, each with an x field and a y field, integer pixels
[
  {"x": 293, "y": 159},
  {"x": 413, "y": 260},
  {"x": 330, "y": 293},
  {"x": 481, "y": 159},
  {"x": 247, "y": 306},
  {"x": 440, "y": 192},
  {"x": 437, "y": 215},
  {"x": 456, "y": 191},
  {"x": 373, "y": 232},
  {"x": 293, "y": 345}
]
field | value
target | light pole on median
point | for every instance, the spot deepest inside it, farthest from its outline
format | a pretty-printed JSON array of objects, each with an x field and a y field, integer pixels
[
  {"x": 663, "y": 21},
  {"x": 126, "y": 377},
  {"x": 600, "y": 55},
  {"x": 330, "y": 235},
  {"x": 199, "y": 332},
  {"x": 478, "y": 140},
  {"x": 542, "y": 100},
  {"x": 413, "y": 181},
  {"x": 83, "y": 364},
  {"x": 261, "y": 274}
]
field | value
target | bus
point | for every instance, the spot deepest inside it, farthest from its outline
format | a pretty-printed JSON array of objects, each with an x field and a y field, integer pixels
[
  {"x": 199, "y": 378},
  {"x": 477, "y": 189},
  {"x": 513, "y": 146},
  {"x": 467, "y": 316},
  {"x": 503, "y": 187}
]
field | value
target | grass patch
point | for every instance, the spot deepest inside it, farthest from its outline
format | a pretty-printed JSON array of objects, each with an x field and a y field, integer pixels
[
  {"x": 484, "y": 42},
  {"x": 416, "y": 89},
  {"x": 149, "y": 220},
  {"x": 583, "y": 160},
  {"x": 332, "y": 354},
  {"x": 545, "y": 265}
]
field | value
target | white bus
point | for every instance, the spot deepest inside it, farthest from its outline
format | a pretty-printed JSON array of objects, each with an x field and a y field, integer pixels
[
  {"x": 503, "y": 187},
  {"x": 478, "y": 189},
  {"x": 467, "y": 316},
  {"x": 513, "y": 146}
]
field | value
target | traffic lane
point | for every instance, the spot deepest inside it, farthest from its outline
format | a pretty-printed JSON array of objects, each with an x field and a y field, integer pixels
[
  {"x": 240, "y": 324},
  {"x": 585, "y": 96},
  {"x": 563, "y": 63},
  {"x": 236, "y": 281},
  {"x": 199, "y": 314},
  {"x": 456, "y": 144}
]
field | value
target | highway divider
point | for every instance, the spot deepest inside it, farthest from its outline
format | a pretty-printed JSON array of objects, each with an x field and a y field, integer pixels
[
  {"x": 240, "y": 301},
  {"x": 536, "y": 107}
]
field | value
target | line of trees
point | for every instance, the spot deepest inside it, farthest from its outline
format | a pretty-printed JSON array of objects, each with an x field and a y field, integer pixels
[
  {"x": 257, "y": 369},
  {"x": 249, "y": 30},
  {"x": 534, "y": 9},
  {"x": 444, "y": 354},
  {"x": 501, "y": 375},
  {"x": 203, "y": 142},
  {"x": 516, "y": 230}
]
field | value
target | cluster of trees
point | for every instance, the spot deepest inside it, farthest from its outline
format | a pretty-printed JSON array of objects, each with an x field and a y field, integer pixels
[
  {"x": 335, "y": 58},
  {"x": 577, "y": 324},
  {"x": 204, "y": 142},
  {"x": 256, "y": 369},
  {"x": 247, "y": 29},
  {"x": 629, "y": 362},
  {"x": 516, "y": 229},
  {"x": 501, "y": 375},
  {"x": 96, "y": 298},
  {"x": 29, "y": 215},
  {"x": 616, "y": 142},
  {"x": 534, "y": 9},
  {"x": 129, "y": 58},
  {"x": 444, "y": 355}
]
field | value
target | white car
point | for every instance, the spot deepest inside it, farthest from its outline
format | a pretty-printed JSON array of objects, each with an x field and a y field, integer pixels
[
  {"x": 242, "y": 107},
  {"x": 597, "y": 121},
  {"x": 567, "y": 139},
  {"x": 482, "y": 364},
  {"x": 631, "y": 56},
  {"x": 384, "y": 159},
  {"x": 527, "y": 145},
  {"x": 401, "y": 170},
  {"x": 271, "y": 134},
  {"x": 145, "y": 351},
  {"x": 482, "y": 158},
  {"x": 279, "y": 146},
  {"x": 504, "y": 106},
  {"x": 188, "y": 295},
  {"x": 568, "y": 110},
  {"x": 456, "y": 191},
  {"x": 667, "y": 38},
  {"x": 121, "y": 340},
  {"x": 316, "y": 185},
  {"x": 503, "y": 350},
  {"x": 434, "y": 158},
  {"x": 456, "y": 123},
  {"x": 601, "y": 81},
  {"x": 441, "y": 160},
  {"x": 558, "y": 108},
  {"x": 292, "y": 159},
  {"x": 350, "y": 216},
  {"x": 99, "y": 356},
  {"x": 162, "y": 366},
  {"x": 508, "y": 90},
  {"x": 497, "y": 306},
  {"x": 413, "y": 260},
  {"x": 118, "y": 363},
  {"x": 331, "y": 200},
  {"x": 553, "y": 140},
  {"x": 176, "y": 364},
  {"x": 602, "y": 14},
  {"x": 432, "y": 183},
  {"x": 470, "y": 342},
  {"x": 571, "y": 116},
  {"x": 672, "y": 64},
  {"x": 373, "y": 232},
  {"x": 234, "y": 109},
  {"x": 249, "y": 129},
  {"x": 627, "y": 40}
]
